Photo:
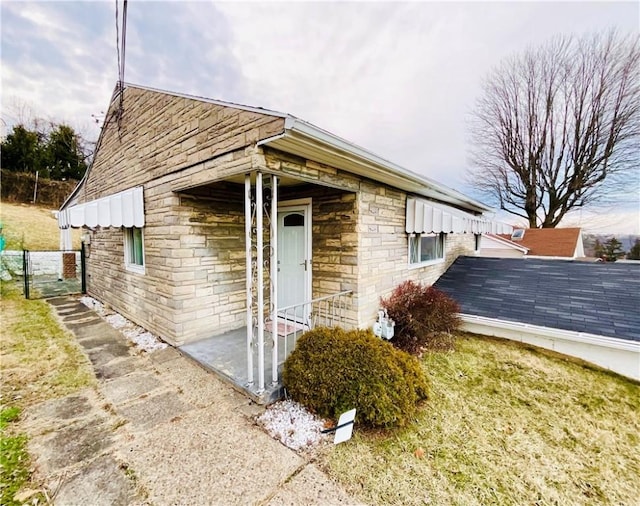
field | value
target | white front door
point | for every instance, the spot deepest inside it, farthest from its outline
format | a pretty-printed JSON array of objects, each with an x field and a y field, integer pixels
[{"x": 294, "y": 255}]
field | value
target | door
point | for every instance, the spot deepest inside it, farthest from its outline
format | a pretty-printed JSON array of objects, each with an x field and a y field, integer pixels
[{"x": 294, "y": 259}]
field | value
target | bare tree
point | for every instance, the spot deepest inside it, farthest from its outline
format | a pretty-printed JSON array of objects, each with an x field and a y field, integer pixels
[{"x": 558, "y": 127}]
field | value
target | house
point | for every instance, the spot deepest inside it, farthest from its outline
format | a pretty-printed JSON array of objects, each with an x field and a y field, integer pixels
[
  {"x": 585, "y": 310},
  {"x": 558, "y": 243},
  {"x": 228, "y": 229}
]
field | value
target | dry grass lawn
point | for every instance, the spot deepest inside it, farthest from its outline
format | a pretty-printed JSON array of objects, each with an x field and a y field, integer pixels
[
  {"x": 40, "y": 360},
  {"x": 506, "y": 424},
  {"x": 32, "y": 227}
]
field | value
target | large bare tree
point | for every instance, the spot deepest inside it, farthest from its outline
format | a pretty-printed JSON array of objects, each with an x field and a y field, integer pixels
[{"x": 558, "y": 127}]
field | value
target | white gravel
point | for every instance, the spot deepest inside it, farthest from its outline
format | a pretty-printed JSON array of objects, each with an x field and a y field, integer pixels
[
  {"x": 292, "y": 425},
  {"x": 141, "y": 338}
]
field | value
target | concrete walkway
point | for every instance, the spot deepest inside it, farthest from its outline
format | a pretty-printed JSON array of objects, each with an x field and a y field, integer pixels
[{"x": 160, "y": 430}]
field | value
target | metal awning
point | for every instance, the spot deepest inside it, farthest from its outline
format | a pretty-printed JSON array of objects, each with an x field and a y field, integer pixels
[
  {"x": 427, "y": 217},
  {"x": 122, "y": 209}
]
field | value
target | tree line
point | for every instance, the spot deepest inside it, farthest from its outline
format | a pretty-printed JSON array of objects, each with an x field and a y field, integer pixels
[
  {"x": 611, "y": 250},
  {"x": 54, "y": 151}
]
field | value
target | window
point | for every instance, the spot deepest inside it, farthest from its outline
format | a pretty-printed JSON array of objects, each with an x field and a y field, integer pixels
[
  {"x": 426, "y": 248},
  {"x": 134, "y": 249},
  {"x": 517, "y": 234}
]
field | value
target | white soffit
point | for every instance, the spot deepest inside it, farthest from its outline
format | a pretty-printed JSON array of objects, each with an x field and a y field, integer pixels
[
  {"x": 426, "y": 217},
  {"x": 123, "y": 209}
]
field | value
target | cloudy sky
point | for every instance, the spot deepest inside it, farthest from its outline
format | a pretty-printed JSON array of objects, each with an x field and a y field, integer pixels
[{"x": 397, "y": 78}]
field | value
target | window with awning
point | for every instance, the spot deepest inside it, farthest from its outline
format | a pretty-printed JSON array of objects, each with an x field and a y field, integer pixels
[
  {"x": 122, "y": 209},
  {"x": 427, "y": 217}
]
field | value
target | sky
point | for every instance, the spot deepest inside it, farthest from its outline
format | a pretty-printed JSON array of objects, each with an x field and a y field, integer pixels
[{"x": 400, "y": 79}]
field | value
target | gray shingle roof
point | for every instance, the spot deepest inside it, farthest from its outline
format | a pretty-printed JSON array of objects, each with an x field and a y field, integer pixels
[{"x": 598, "y": 298}]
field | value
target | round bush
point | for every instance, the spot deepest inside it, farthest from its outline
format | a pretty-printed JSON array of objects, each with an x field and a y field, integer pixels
[
  {"x": 424, "y": 316},
  {"x": 332, "y": 370}
]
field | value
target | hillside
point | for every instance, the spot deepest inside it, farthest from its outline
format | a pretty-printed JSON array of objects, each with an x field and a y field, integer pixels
[{"x": 27, "y": 226}]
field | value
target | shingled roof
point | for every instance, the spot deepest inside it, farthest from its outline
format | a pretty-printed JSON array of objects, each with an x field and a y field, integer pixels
[
  {"x": 597, "y": 298},
  {"x": 548, "y": 242}
]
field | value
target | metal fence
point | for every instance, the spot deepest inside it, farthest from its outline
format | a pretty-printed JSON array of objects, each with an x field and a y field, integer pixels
[{"x": 46, "y": 273}]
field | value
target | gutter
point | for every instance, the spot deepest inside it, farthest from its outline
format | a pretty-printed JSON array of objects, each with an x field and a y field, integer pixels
[
  {"x": 296, "y": 127},
  {"x": 549, "y": 332}
]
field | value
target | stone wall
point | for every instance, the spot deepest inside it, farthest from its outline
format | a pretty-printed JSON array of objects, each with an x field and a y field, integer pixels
[{"x": 160, "y": 134}]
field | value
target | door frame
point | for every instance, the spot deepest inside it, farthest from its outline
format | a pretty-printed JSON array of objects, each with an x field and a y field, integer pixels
[{"x": 305, "y": 206}]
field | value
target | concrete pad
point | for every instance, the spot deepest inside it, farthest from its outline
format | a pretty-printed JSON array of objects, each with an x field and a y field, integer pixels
[
  {"x": 57, "y": 412},
  {"x": 129, "y": 387},
  {"x": 76, "y": 320},
  {"x": 199, "y": 386},
  {"x": 101, "y": 339},
  {"x": 72, "y": 444},
  {"x": 102, "y": 482},
  {"x": 153, "y": 411},
  {"x": 164, "y": 355},
  {"x": 311, "y": 486},
  {"x": 105, "y": 354},
  {"x": 118, "y": 368},
  {"x": 210, "y": 456},
  {"x": 61, "y": 301},
  {"x": 88, "y": 330}
]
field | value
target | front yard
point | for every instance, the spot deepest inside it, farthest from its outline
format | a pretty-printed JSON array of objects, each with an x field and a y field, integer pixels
[{"x": 505, "y": 424}]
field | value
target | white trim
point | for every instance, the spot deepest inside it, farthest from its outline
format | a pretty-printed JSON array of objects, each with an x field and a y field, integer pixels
[
  {"x": 619, "y": 355},
  {"x": 128, "y": 265},
  {"x": 433, "y": 261},
  {"x": 505, "y": 242}
]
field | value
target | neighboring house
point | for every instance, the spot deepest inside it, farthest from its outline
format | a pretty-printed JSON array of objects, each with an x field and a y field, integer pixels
[
  {"x": 558, "y": 243},
  {"x": 208, "y": 219},
  {"x": 586, "y": 310}
]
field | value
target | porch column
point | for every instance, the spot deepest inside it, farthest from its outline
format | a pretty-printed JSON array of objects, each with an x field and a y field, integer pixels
[
  {"x": 248, "y": 219},
  {"x": 274, "y": 278},
  {"x": 260, "y": 277}
]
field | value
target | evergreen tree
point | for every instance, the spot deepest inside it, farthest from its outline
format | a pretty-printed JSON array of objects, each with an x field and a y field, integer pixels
[
  {"x": 612, "y": 250},
  {"x": 57, "y": 152},
  {"x": 22, "y": 150}
]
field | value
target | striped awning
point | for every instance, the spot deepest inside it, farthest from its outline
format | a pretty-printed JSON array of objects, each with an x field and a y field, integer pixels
[
  {"x": 123, "y": 209},
  {"x": 426, "y": 217}
]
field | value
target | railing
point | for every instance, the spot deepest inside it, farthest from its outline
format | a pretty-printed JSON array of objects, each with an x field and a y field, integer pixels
[{"x": 295, "y": 320}]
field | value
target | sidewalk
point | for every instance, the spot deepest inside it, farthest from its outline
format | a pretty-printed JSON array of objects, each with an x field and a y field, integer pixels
[{"x": 160, "y": 430}]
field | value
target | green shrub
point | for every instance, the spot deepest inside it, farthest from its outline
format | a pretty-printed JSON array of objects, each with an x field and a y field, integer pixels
[
  {"x": 424, "y": 316},
  {"x": 332, "y": 370}
]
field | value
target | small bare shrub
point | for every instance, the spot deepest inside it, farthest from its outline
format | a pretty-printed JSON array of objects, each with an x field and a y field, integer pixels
[{"x": 425, "y": 317}]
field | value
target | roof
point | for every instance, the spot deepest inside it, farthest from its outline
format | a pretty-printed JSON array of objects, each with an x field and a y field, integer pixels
[
  {"x": 309, "y": 141},
  {"x": 548, "y": 242},
  {"x": 596, "y": 298}
]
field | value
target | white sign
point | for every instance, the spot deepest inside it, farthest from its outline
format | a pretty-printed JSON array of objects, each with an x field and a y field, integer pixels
[{"x": 344, "y": 429}]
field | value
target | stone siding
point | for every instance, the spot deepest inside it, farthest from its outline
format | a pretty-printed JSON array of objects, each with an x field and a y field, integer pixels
[{"x": 161, "y": 133}]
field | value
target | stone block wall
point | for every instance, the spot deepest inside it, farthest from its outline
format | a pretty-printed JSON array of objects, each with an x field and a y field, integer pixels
[{"x": 160, "y": 134}]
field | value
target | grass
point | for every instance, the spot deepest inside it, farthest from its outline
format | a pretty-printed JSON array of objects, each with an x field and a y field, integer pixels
[
  {"x": 32, "y": 227},
  {"x": 505, "y": 424},
  {"x": 40, "y": 361}
]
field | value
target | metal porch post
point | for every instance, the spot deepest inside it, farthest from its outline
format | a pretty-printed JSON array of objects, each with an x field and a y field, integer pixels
[
  {"x": 260, "y": 277},
  {"x": 249, "y": 280},
  {"x": 274, "y": 278}
]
